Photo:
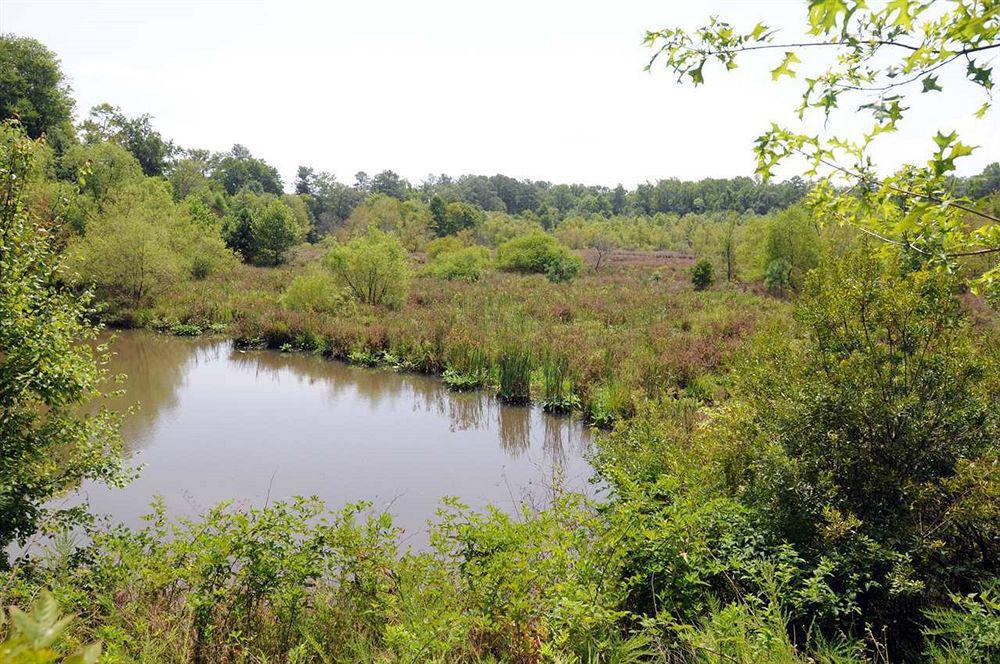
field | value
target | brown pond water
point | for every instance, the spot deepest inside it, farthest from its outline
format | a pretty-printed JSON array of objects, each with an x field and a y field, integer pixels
[{"x": 218, "y": 424}]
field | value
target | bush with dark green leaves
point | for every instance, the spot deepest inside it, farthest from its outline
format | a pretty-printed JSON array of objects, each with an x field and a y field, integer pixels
[
  {"x": 702, "y": 274},
  {"x": 539, "y": 253},
  {"x": 861, "y": 440}
]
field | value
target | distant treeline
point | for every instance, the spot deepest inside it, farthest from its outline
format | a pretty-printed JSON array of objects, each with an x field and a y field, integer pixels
[
  {"x": 35, "y": 93},
  {"x": 550, "y": 202}
]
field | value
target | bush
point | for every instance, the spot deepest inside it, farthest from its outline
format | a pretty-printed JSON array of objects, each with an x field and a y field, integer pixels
[
  {"x": 538, "y": 253},
  {"x": 144, "y": 245},
  {"x": 314, "y": 292},
  {"x": 372, "y": 267},
  {"x": 467, "y": 264},
  {"x": 702, "y": 274},
  {"x": 777, "y": 275},
  {"x": 858, "y": 443},
  {"x": 442, "y": 245},
  {"x": 564, "y": 268}
]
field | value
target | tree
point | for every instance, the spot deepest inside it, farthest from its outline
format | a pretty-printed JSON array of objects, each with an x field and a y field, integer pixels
[
  {"x": 409, "y": 220},
  {"x": 108, "y": 123},
  {"x": 305, "y": 180},
  {"x": 47, "y": 371},
  {"x": 262, "y": 227},
  {"x": 438, "y": 215},
  {"x": 190, "y": 175},
  {"x": 373, "y": 267},
  {"x": 238, "y": 169},
  {"x": 887, "y": 54},
  {"x": 390, "y": 184},
  {"x": 34, "y": 91},
  {"x": 702, "y": 274},
  {"x": 790, "y": 248},
  {"x": 144, "y": 244},
  {"x": 99, "y": 169},
  {"x": 332, "y": 202},
  {"x": 457, "y": 217}
]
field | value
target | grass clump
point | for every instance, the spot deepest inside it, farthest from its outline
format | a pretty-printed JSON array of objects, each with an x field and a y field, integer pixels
[
  {"x": 558, "y": 395},
  {"x": 468, "y": 368},
  {"x": 513, "y": 367}
]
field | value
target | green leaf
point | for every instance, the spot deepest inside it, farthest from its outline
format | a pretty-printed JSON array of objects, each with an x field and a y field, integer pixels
[
  {"x": 981, "y": 75},
  {"x": 904, "y": 13},
  {"x": 785, "y": 68},
  {"x": 824, "y": 14},
  {"x": 931, "y": 84}
]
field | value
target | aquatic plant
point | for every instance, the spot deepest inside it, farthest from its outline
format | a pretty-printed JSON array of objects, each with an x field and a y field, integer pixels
[
  {"x": 513, "y": 367},
  {"x": 558, "y": 395}
]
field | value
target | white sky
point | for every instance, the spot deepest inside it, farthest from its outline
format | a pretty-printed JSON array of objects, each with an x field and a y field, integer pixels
[{"x": 542, "y": 89}]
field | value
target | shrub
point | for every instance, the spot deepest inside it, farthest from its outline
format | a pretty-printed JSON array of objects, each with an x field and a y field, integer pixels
[
  {"x": 372, "y": 267},
  {"x": 564, "y": 267},
  {"x": 443, "y": 245},
  {"x": 144, "y": 244},
  {"x": 702, "y": 274},
  {"x": 467, "y": 264},
  {"x": 858, "y": 442},
  {"x": 538, "y": 253},
  {"x": 314, "y": 292},
  {"x": 969, "y": 630},
  {"x": 39, "y": 636},
  {"x": 777, "y": 275}
]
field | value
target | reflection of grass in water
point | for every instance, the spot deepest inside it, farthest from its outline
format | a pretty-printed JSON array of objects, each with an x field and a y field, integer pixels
[
  {"x": 553, "y": 442},
  {"x": 515, "y": 429},
  {"x": 376, "y": 387},
  {"x": 467, "y": 411}
]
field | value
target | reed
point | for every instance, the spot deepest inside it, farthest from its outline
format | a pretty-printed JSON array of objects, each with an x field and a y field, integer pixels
[
  {"x": 513, "y": 367},
  {"x": 558, "y": 394},
  {"x": 468, "y": 368}
]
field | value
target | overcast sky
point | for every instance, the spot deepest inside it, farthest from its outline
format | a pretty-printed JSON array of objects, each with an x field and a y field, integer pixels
[{"x": 542, "y": 89}]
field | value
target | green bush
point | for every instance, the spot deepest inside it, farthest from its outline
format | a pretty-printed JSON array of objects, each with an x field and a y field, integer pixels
[
  {"x": 851, "y": 439},
  {"x": 702, "y": 274},
  {"x": 313, "y": 292},
  {"x": 372, "y": 267},
  {"x": 564, "y": 267},
  {"x": 443, "y": 245},
  {"x": 466, "y": 264},
  {"x": 969, "y": 630},
  {"x": 539, "y": 253}
]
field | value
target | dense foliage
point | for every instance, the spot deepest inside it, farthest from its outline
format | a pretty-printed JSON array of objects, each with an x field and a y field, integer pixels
[
  {"x": 803, "y": 478},
  {"x": 47, "y": 370}
]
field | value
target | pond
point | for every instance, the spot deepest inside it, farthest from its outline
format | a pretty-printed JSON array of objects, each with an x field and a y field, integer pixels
[{"x": 215, "y": 423}]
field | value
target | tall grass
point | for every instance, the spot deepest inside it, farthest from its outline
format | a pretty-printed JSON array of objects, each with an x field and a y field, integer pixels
[
  {"x": 513, "y": 366},
  {"x": 558, "y": 395},
  {"x": 468, "y": 368}
]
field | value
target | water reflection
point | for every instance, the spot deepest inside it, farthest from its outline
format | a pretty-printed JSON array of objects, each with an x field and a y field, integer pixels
[{"x": 216, "y": 423}]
